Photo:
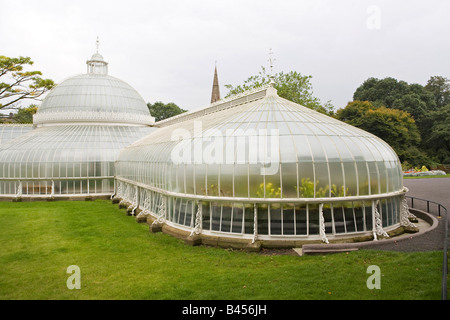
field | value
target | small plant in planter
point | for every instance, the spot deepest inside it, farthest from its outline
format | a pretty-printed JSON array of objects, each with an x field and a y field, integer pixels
[
  {"x": 269, "y": 191},
  {"x": 307, "y": 187},
  {"x": 339, "y": 192},
  {"x": 213, "y": 190}
]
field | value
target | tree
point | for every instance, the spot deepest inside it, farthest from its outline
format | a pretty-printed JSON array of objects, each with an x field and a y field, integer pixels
[
  {"x": 437, "y": 141},
  {"x": 391, "y": 93},
  {"x": 162, "y": 111},
  {"x": 440, "y": 88},
  {"x": 292, "y": 86},
  {"x": 395, "y": 127},
  {"x": 18, "y": 84},
  {"x": 25, "y": 115}
]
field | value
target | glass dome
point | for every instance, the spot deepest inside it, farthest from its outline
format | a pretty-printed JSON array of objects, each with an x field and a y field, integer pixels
[
  {"x": 261, "y": 166},
  {"x": 93, "y": 97},
  {"x": 81, "y": 126}
]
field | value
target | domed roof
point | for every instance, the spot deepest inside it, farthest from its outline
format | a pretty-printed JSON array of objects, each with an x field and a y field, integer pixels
[
  {"x": 97, "y": 56},
  {"x": 244, "y": 144},
  {"x": 93, "y": 97}
]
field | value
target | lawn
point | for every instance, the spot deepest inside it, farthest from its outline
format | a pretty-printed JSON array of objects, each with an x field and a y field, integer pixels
[{"x": 119, "y": 259}]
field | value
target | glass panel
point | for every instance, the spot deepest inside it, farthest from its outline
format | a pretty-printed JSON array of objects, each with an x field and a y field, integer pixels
[
  {"x": 339, "y": 219},
  {"x": 288, "y": 219},
  {"x": 226, "y": 217},
  {"x": 289, "y": 179},
  {"x": 373, "y": 178},
  {"x": 363, "y": 178},
  {"x": 316, "y": 149},
  {"x": 301, "y": 219},
  {"x": 189, "y": 171},
  {"x": 256, "y": 184},
  {"x": 313, "y": 215},
  {"x": 263, "y": 219},
  {"x": 349, "y": 218},
  {"x": 288, "y": 151},
  {"x": 275, "y": 218},
  {"x": 206, "y": 215},
  {"x": 226, "y": 180},
  {"x": 238, "y": 212},
  {"x": 303, "y": 149},
  {"x": 351, "y": 187},
  {"x": 216, "y": 212},
  {"x": 383, "y": 179},
  {"x": 306, "y": 180},
  {"x": 212, "y": 182},
  {"x": 322, "y": 183},
  {"x": 328, "y": 218},
  {"x": 337, "y": 180},
  {"x": 182, "y": 215},
  {"x": 241, "y": 180},
  {"x": 249, "y": 218},
  {"x": 358, "y": 210}
]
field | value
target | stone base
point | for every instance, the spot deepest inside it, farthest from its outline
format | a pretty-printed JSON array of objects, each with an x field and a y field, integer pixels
[
  {"x": 194, "y": 240},
  {"x": 155, "y": 227}
]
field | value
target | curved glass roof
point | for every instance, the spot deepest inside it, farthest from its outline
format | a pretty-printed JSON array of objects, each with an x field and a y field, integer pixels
[
  {"x": 66, "y": 151},
  {"x": 11, "y": 131},
  {"x": 267, "y": 147},
  {"x": 93, "y": 97}
]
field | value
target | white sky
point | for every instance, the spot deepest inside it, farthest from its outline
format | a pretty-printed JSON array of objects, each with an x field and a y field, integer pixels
[{"x": 167, "y": 49}]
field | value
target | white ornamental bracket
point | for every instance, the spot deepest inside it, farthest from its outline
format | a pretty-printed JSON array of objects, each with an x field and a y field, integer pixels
[
  {"x": 376, "y": 221},
  {"x": 323, "y": 235}
]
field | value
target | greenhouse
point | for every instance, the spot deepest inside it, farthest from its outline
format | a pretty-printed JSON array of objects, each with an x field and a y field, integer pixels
[
  {"x": 78, "y": 132},
  {"x": 259, "y": 168},
  {"x": 250, "y": 169}
]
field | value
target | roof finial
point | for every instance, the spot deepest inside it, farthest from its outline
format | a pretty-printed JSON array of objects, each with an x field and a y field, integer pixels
[
  {"x": 271, "y": 61},
  {"x": 97, "y": 43}
]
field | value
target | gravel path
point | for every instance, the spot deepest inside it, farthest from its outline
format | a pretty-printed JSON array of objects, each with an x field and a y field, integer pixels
[{"x": 434, "y": 189}]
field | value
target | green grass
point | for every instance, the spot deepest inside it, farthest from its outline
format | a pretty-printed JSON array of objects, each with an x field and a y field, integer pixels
[{"x": 120, "y": 259}]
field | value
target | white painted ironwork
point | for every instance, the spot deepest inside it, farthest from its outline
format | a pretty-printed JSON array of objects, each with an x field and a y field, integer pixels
[
  {"x": 92, "y": 117},
  {"x": 19, "y": 190},
  {"x": 162, "y": 209},
  {"x": 145, "y": 207},
  {"x": 53, "y": 188},
  {"x": 255, "y": 223},
  {"x": 323, "y": 235},
  {"x": 405, "y": 215},
  {"x": 377, "y": 223},
  {"x": 198, "y": 220}
]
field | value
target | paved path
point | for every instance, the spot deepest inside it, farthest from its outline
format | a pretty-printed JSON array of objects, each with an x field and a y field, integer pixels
[{"x": 434, "y": 189}]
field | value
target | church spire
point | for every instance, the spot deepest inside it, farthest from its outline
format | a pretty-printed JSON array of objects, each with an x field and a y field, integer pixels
[{"x": 215, "y": 96}]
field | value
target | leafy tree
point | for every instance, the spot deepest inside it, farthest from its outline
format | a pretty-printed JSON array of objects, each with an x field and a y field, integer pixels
[
  {"x": 17, "y": 84},
  {"x": 25, "y": 115},
  {"x": 437, "y": 141},
  {"x": 292, "y": 86},
  {"x": 391, "y": 93},
  {"x": 162, "y": 111},
  {"x": 419, "y": 101},
  {"x": 440, "y": 88},
  {"x": 395, "y": 127}
]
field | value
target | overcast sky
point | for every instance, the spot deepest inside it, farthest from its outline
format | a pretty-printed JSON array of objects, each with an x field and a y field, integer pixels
[{"x": 167, "y": 49}]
